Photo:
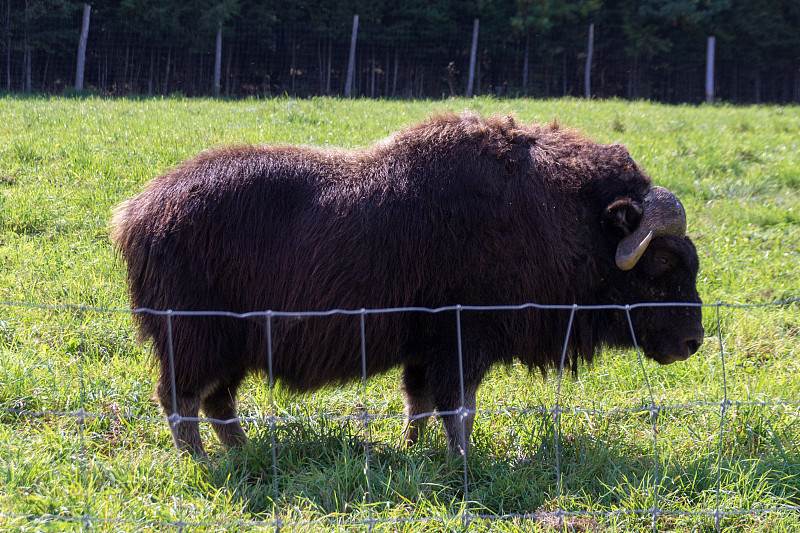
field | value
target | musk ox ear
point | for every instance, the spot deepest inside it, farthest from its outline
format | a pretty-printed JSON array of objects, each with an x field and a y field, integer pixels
[{"x": 624, "y": 216}]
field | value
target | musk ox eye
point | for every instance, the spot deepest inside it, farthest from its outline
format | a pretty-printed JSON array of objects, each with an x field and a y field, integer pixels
[{"x": 663, "y": 262}]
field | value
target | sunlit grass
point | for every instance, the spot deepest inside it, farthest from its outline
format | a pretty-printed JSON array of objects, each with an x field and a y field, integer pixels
[{"x": 65, "y": 163}]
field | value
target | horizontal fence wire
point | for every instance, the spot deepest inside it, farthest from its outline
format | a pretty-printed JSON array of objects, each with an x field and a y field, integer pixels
[{"x": 467, "y": 516}]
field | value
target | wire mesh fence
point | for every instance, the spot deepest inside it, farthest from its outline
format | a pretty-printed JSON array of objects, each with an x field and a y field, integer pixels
[
  {"x": 263, "y": 54},
  {"x": 745, "y": 428}
]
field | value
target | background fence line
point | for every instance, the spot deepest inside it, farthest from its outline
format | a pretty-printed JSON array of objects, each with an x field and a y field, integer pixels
[
  {"x": 466, "y": 517},
  {"x": 253, "y": 51}
]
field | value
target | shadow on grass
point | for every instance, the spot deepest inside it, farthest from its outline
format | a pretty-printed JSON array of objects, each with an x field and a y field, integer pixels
[{"x": 326, "y": 470}]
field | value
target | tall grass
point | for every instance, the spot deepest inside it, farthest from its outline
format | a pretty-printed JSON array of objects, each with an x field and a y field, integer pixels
[{"x": 65, "y": 163}]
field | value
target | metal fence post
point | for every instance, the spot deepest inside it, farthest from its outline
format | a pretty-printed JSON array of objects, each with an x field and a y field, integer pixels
[
  {"x": 218, "y": 61},
  {"x": 710, "y": 70},
  {"x": 351, "y": 63},
  {"x": 589, "y": 54},
  {"x": 87, "y": 9},
  {"x": 472, "y": 54}
]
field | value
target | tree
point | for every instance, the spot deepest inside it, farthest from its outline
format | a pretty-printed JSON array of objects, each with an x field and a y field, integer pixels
[
  {"x": 549, "y": 23},
  {"x": 33, "y": 11},
  {"x": 215, "y": 15},
  {"x": 762, "y": 37},
  {"x": 6, "y": 42}
]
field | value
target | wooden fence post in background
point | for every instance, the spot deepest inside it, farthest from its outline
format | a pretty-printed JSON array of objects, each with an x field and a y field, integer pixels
[
  {"x": 525, "y": 66},
  {"x": 82, "y": 48},
  {"x": 372, "y": 79},
  {"x": 351, "y": 64},
  {"x": 588, "y": 74},
  {"x": 218, "y": 62},
  {"x": 472, "y": 55},
  {"x": 710, "y": 70}
]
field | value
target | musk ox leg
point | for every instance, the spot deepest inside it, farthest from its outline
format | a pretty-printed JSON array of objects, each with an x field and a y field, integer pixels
[
  {"x": 458, "y": 416},
  {"x": 220, "y": 404},
  {"x": 418, "y": 401},
  {"x": 185, "y": 433},
  {"x": 458, "y": 424}
]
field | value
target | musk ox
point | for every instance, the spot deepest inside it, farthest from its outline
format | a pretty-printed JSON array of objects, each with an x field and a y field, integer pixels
[{"x": 456, "y": 210}]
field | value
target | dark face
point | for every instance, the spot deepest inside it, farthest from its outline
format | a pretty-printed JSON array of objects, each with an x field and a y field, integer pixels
[{"x": 666, "y": 272}]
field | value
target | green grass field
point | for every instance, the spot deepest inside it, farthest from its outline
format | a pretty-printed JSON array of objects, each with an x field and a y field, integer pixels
[{"x": 64, "y": 163}]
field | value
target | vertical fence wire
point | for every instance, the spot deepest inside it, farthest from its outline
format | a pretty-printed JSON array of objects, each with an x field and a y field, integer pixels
[
  {"x": 365, "y": 418},
  {"x": 273, "y": 410},
  {"x": 83, "y": 458},
  {"x": 723, "y": 410},
  {"x": 560, "y": 513},
  {"x": 654, "y": 412},
  {"x": 462, "y": 415},
  {"x": 174, "y": 418}
]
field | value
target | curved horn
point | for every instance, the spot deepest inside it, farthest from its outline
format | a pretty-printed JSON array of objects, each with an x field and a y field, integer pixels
[{"x": 662, "y": 215}]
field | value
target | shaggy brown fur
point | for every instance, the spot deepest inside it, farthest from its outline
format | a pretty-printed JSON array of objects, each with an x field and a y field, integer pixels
[{"x": 455, "y": 210}]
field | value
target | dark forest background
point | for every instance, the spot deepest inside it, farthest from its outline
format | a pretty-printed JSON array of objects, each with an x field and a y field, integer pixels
[{"x": 649, "y": 49}]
